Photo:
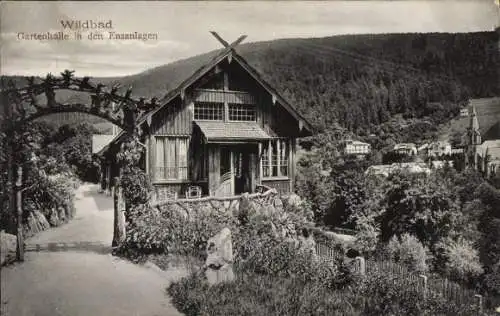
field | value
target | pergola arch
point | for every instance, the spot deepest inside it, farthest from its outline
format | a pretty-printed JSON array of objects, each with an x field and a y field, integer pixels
[{"x": 37, "y": 99}]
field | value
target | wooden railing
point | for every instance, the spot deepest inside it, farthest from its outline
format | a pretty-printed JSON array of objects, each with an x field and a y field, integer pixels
[{"x": 269, "y": 193}]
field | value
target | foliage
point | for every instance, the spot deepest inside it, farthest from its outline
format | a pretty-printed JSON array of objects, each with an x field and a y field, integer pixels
[
  {"x": 170, "y": 229},
  {"x": 461, "y": 259},
  {"x": 136, "y": 185},
  {"x": 421, "y": 206},
  {"x": 492, "y": 280},
  {"x": 490, "y": 242},
  {"x": 265, "y": 294},
  {"x": 264, "y": 253},
  {"x": 48, "y": 179},
  {"x": 75, "y": 144},
  {"x": 386, "y": 294},
  {"x": 408, "y": 251},
  {"x": 334, "y": 184},
  {"x": 367, "y": 236},
  {"x": 255, "y": 294}
]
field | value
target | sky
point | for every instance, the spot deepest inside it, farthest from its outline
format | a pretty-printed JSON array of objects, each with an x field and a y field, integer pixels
[{"x": 182, "y": 28}]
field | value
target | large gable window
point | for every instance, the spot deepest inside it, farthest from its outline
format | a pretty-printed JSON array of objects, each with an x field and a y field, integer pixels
[
  {"x": 171, "y": 158},
  {"x": 242, "y": 112},
  {"x": 211, "y": 111},
  {"x": 275, "y": 158}
]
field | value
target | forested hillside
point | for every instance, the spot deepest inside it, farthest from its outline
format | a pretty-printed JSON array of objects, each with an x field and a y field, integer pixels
[
  {"x": 360, "y": 81},
  {"x": 363, "y": 80}
]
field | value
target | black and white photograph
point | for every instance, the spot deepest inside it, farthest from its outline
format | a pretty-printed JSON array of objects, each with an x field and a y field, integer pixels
[{"x": 253, "y": 158}]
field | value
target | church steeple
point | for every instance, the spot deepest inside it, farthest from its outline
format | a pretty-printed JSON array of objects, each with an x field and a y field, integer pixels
[
  {"x": 475, "y": 135},
  {"x": 474, "y": 124},
  {"x": 473, "y": 138}
]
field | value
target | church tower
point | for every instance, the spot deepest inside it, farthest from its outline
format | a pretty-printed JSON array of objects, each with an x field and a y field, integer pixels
[{"x": 473, "y": 139}]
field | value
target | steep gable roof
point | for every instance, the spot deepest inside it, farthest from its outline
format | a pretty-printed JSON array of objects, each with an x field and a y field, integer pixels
[
  {"x": 228, "y": 53},
  {"x": 211, "y": 60}
]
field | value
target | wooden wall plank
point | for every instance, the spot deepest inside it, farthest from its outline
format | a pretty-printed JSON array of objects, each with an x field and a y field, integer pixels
[{"x": 213, "y": 167}]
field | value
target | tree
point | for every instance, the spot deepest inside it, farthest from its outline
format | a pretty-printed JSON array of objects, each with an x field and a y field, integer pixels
[
  {"x": 461, "y": 260},
  {"x": 456, "y": 138},
  {"x": 421, "y": 206}
]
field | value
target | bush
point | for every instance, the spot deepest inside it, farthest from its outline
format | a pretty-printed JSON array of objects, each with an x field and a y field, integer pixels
[
  {"x": 168, "y": 229},
  {"x": 408, "y": 251},
  {"x": 367, "y": 237},
  {"x": 136, "y": 186},
  {"x": 48, "y": 193},
  {"x": 266, "y": 254},
  {"x": 461, "y": 260}
]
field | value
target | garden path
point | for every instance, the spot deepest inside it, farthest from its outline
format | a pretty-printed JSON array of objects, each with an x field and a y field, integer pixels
[{"x": 74, "y": 273}]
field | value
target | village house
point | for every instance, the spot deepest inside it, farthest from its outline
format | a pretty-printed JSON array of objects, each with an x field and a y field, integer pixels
[
  {"x": 437, "y": 149},
  {"x": 354, "y": 147},
  {"x": 438, "y": 164},
  {"x": 488, "y": 157},
  {"x": 410, "y": 167},
  {"x": 221, "y": 132},
  {"x": 464, "y": 112},
  {"x": 406, "y": 149}
]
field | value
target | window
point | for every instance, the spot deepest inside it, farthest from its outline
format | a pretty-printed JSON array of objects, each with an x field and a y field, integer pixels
[
  {"x": 171, "y": 158},
  {"x": 241, "y": 112},
  {"x": 275, "y": 158},
  {"x": 209, "y": 111}
]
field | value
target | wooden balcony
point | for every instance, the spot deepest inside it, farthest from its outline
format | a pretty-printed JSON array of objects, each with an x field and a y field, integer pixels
[{"x": 220, "y": 96}]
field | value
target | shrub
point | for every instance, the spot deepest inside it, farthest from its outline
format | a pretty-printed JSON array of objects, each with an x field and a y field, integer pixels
[
  {"x": 136, "y": 186},
  {"x": 461, "y": 260},
  {"x": 367, "y": 237},
  {"x": 408, "y": 251},
  {"x": 50, "y": 192},
  {"x": 265, "y": 254},
  {"x": 168, "y": 229},
  {"x": 492, "y": 282}
]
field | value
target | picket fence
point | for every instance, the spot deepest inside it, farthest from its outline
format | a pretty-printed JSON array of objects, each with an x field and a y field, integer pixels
[{"x": 425, "y": 284}]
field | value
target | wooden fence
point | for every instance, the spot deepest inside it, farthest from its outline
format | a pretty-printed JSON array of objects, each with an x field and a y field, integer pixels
[{"x": 426, "y": 284}]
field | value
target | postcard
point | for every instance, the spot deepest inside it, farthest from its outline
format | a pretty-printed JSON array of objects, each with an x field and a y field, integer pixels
[{"x": 249, "y": 158}]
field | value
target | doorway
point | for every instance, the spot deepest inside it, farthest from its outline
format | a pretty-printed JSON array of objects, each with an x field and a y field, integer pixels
[{"x": 235, "y": 168}]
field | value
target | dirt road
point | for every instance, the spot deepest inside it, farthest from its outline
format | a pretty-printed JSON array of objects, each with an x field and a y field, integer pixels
[{"x": 74, "y": 273}]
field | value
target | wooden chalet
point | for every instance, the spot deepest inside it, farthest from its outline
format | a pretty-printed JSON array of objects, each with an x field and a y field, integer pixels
[{"x": 223, "y": 131}]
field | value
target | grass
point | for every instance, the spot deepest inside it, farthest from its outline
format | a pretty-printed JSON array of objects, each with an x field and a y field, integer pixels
[{"x": 488, "y": 114}]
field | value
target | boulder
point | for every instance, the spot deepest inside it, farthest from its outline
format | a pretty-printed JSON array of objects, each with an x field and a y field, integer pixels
[
  {"x": 8, "y": 249},
  {"x": 40, "y": 219},
  {"x": 62, "y": 214},
  {"x": 54, "y": 218},
  {"x": 35, "y": 223},
  {"x": 234, "y": 206},
  {"x": 219, "y": 263}
]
